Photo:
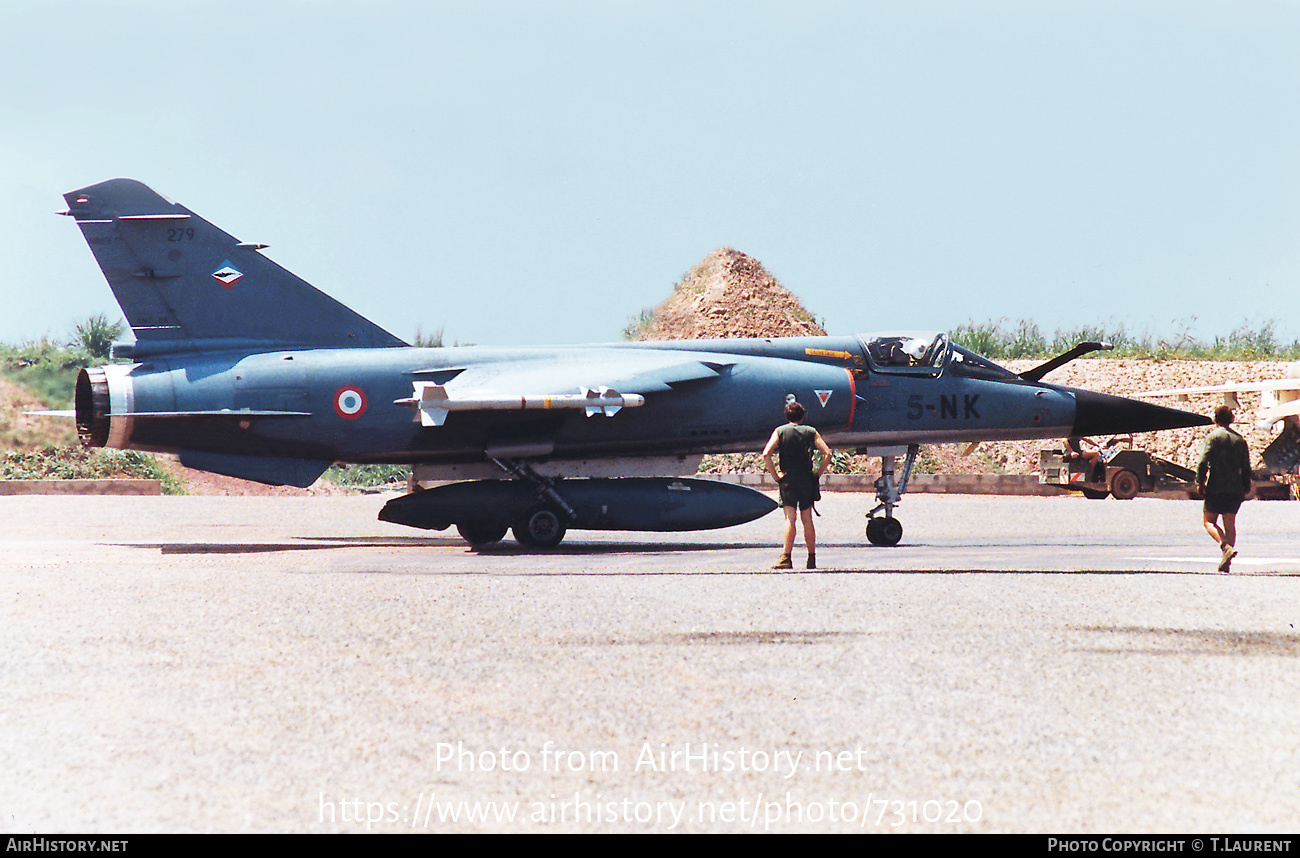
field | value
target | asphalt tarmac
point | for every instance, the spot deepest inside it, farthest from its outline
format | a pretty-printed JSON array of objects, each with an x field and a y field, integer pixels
[{"x": 293, "y": 664}]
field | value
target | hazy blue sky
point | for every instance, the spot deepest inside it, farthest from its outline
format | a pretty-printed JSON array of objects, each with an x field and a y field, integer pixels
[{"x": 540, "y": 172}]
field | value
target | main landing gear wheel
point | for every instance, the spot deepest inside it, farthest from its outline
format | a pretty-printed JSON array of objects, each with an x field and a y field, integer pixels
[
  {"x": 481, "y": 533},
  {"x": 886, "y": 531},
  {"x": 539, "y": 528}
]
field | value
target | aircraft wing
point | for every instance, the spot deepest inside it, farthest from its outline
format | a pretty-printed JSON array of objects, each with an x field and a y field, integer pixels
[
  {"x": 666, "y": 378},
  {"x": 1269, "y": 416},
  {"x": 1235, "y": 387},
  {"x": 1285, "y": 389}
]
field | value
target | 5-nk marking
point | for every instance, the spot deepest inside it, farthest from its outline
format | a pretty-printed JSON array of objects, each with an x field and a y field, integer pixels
[{"x": 946, "y": 407}]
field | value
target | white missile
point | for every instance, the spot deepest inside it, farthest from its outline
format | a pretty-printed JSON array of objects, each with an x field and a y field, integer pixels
[{"x": 433, "y": 402}]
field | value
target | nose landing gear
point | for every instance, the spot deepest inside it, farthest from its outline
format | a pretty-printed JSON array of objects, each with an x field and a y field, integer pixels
[{"x": 885, "y": 530}]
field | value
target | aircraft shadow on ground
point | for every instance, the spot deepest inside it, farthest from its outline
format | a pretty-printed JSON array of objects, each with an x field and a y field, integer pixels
[
  {"x": 501, "y": 549},
  {"x": 904, "y": 562},
  {"x": 509, "y": 547}
]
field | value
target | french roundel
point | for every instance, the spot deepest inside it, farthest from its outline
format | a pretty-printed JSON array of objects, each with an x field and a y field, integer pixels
[{"x": 350, "y": 402}]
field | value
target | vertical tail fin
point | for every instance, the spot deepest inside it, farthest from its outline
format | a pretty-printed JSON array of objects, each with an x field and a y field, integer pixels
[{"x": 185, "y": 285}]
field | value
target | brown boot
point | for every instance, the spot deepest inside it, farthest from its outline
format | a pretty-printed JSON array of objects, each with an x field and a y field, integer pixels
[
  {"x": 783, "y": 563},
  {"x": 812, "y": 561}
]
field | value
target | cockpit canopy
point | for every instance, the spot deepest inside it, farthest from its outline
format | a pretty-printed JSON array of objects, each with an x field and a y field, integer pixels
[
  {"x": 929, "y": 354},
  {"x": 907, "y": 352}
]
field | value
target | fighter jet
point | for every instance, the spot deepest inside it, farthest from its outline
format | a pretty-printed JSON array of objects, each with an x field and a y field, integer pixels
[{"x": 241, "y": 368}]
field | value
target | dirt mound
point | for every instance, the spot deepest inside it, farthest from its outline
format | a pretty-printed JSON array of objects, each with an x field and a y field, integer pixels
[{"x": 729, "y": 294}]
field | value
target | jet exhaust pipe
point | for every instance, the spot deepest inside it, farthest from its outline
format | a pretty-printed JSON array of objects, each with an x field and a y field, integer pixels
[
  {"x": 1103, "y": 414},
  {"x": 103, "y": 402},
  {"x": 91, "y": 404}
]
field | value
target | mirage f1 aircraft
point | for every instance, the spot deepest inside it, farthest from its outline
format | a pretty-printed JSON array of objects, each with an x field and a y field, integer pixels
[{"x": 243, "y": 369}]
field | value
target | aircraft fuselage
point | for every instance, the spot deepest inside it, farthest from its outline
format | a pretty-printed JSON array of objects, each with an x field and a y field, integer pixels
[{"x": 340, "y": 404}]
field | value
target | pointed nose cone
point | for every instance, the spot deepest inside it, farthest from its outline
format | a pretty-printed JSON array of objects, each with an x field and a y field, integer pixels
[{"x": 1103, "y": 414}]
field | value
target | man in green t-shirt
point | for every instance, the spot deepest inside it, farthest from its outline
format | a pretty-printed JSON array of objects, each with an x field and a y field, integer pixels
[
  {"x": 1223, "y": 478},
  {"x": 794, "y": 443}
]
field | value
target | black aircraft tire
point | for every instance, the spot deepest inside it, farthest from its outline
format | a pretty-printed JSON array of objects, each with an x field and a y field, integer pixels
[
  {"x": 521, "y": 536},
  {"x": 481, "y": 533},
  {"x": 539, "y": 528},
  {"x": 1095, "y": 494},
  {"x": 886, "y": 531},
  {"x": 1125, "y": 485}
]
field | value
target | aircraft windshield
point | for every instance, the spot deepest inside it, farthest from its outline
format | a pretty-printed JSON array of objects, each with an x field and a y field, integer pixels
[
  {"x": 967, "y": 363},
  {"x": 907, "y": 352}
]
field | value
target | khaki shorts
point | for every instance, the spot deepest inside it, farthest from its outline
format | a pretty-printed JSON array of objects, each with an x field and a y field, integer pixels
[
  {"x": 1223, "y": 504},
  {"x": 799, "y": 494}
]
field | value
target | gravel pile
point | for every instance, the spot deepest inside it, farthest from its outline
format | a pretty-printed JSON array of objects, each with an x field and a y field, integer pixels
[{"x": 730, "y": 294}]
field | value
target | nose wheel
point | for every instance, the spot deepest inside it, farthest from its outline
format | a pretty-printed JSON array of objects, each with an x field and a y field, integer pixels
[{"x": 885, "y": 530}]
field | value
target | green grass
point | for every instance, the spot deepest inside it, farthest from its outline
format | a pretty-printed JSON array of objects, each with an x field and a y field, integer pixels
[
  {"x": 1025, "y": 340},
  {"x": 48, "y": 368},
  {"x": 367, "y": 476},
  {"x": 79, "y": 463},
  {"x": 45, "y": 368}
]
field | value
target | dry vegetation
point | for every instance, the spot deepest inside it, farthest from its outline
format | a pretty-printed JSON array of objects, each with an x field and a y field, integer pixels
[{"x": 20, "y": 430}]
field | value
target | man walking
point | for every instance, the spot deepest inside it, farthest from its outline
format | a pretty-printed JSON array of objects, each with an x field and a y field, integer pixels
[
  {"x": 1223, "y": 479},
  {"x": 795, "y": 442}
]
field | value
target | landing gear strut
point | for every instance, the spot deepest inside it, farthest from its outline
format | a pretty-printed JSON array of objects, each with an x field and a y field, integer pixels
[
  {"x": 543, "y": 525},
  {"x": 886, "y": 530}
]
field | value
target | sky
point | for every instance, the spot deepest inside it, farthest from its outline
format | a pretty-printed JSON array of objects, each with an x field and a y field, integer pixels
[{"x": 540, "y": 172}]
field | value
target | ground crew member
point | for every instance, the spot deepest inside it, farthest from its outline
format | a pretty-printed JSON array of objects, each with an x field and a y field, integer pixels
[
  {"x": 794, "y": 443},
  {"x": 1223, "y": 478}
]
